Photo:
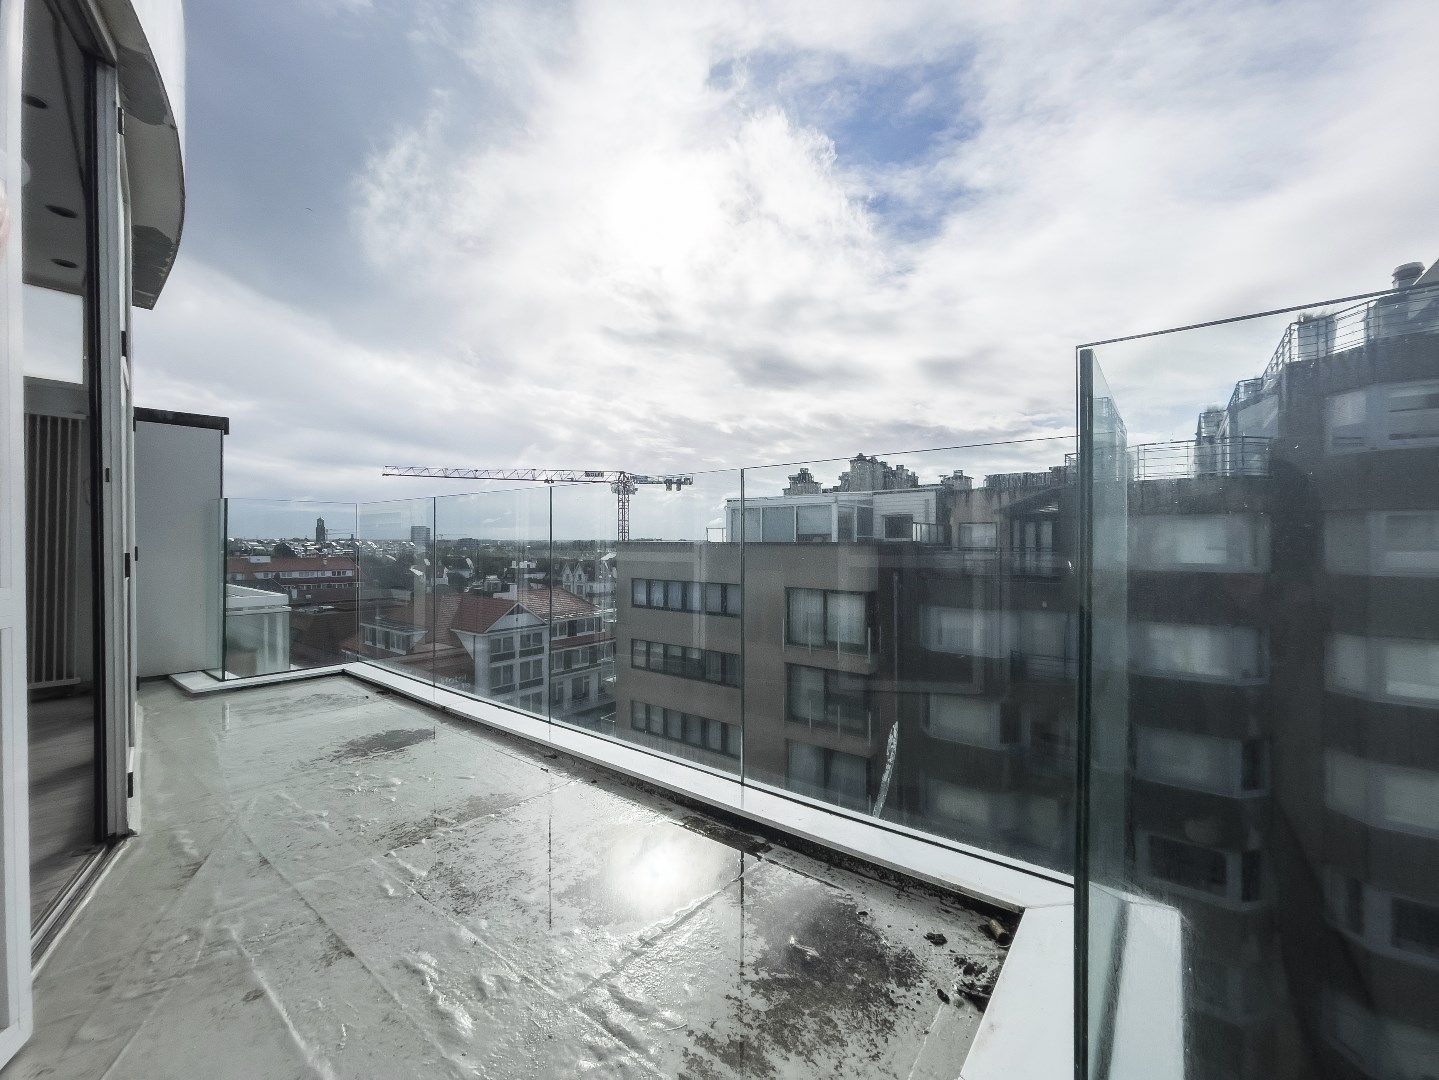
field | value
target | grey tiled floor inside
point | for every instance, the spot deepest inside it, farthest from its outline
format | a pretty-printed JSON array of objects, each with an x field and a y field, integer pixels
[{"x": 333, "y": 882}]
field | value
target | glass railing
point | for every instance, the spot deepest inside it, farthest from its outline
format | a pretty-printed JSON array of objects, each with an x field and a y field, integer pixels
[
  {"x": 894, "y": 637},
  {"x": 290, "y": 590},
  {"x": 1262, "y": 696}
]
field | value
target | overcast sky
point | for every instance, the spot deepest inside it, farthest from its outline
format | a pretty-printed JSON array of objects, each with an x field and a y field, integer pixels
[{"x": 700, "y": 235}]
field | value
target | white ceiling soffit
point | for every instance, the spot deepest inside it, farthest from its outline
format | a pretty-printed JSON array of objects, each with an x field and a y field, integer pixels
[{"x": 149, "y": 40}]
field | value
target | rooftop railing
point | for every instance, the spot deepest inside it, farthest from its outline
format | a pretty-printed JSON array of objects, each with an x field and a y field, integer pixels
[
  {"x": 1241, "y": 455},
  {"x": 1311, "y": 336}
]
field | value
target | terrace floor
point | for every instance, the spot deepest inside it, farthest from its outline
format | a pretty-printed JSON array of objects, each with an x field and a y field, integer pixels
[{"x": 330, "y": 881}]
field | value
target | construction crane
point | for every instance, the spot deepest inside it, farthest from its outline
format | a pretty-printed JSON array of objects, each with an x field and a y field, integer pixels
[{"x": 623, "y": 484}]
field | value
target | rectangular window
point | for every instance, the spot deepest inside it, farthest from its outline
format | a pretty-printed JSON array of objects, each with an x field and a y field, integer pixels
[
  {"x": 752, "y": 530},
  {"x": 675, "y": 595},
  {"x": 1407, "y": 799},
  {"x": 830, "y": 775},
  {"x": 1410, "y": 541},
  {"x": 806, "y": 617},
  {"x": 814, "y": 524},
  {"x": 1411, "y": 669},
  {"x": 1198, "y": 762},
  {"x": 845, "y": 516},
  {"x": 778, "y": 525},
  {"x": 898, "y": 526},
  {"x": 979, "y": 536},
  {"x": 580, "y": 688},
  {"x": 1232, "y": 542},
  {"x": 694, "y": 730},
  {"x": 640, "y": 592},
  {"x": 972, "y": 721},
  {"x": 830, "y": 699},
  {"x": 1346, "y": 421},
  {"x": 714, "y": 736},
  {"x": 1412, "y": 413},
  {"x": 1189, "y": 865},
  {"x": 961, "y": 805},
  {"x": 963, "y": 631},
  {"x": 694, "y": 596},
  {"x": 686, "y": 662},
  {"x": 845, "y": 620},
  {"x": 1225, "y": 653},
  {"x": 1415, "y": 927},
  {"x": 677, "y": 726},
  {"x": 1401, "y": 669}
]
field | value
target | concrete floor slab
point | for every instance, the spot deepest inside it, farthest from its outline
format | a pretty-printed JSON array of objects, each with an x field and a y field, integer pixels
[{"x": 332, "y": 882}]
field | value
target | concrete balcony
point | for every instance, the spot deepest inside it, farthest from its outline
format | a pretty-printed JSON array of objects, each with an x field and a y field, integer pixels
[{"x": 331, "y": 881}]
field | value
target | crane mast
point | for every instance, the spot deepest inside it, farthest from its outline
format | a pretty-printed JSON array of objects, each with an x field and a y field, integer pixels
[{"x": 624, "y": 484}]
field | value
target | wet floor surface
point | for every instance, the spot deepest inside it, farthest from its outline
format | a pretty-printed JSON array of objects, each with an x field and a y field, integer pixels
[{"x": 333, "y": 882}]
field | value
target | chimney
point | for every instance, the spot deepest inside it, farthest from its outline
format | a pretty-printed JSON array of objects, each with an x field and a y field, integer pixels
[{"x": 1407, "y": 274}]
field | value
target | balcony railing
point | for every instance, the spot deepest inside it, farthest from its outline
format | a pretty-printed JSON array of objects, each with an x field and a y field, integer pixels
[
  {"x": 1311, "y": 336},
  {"x": 1246, "y": 455}
]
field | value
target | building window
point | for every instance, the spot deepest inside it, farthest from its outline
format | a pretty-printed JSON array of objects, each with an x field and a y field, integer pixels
[
  {"x": 675, "y": 726},
  {"x": 1397, "y": 542},
  {"x": 822, "y": 698},
  {"x": 1228, "y": 542},
  {"x": 1187, "y": 651},
  {"x": 978, "y": 536},
  {"x": 712, "y": 598},
  {"x": 1189, "y": 865},
  {"x": 580, "y": 689},
  {"x": 1404, "y": 670},
  {"x": 531, "y": 670},
  {"x": 684, "y": 662},
  {"x": 777, "y": 525},
  {"x": 972, "y": 721},
  {"x": 1386, "y": 416},
  {"x": 818, "y": 619},
  {"x": 830, "y": 775},
  {"x": 814, "y": 524},
  {"x": 1199, "y": 762},
  {"x": 898, "y": 526},
  {"x": 1415, "y": 927},
  {"x": 1382, "y": 795},
  {"x": 963, "y": 631}
]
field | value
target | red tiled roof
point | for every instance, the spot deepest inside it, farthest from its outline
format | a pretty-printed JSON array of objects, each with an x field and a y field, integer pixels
[
  {"x": 479, "y": 612},
  {"x": 473, "y": 613}
]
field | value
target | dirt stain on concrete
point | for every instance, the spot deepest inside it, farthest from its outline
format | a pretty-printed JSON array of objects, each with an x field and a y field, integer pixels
[{"x": 382, "y": 742}]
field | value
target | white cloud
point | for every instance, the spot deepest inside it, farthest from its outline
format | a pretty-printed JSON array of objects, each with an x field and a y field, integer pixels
[{"x": 649, "y": 248}]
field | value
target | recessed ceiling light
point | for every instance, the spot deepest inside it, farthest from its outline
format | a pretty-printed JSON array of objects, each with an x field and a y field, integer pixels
[
  {"x": 66, "y": 263},
  {"x": 61, "y": 211},
  {"x": 36, "y": 102}
]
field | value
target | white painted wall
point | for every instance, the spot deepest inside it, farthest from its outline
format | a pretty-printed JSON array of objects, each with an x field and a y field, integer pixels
[{"x": 180, "y": 569}]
